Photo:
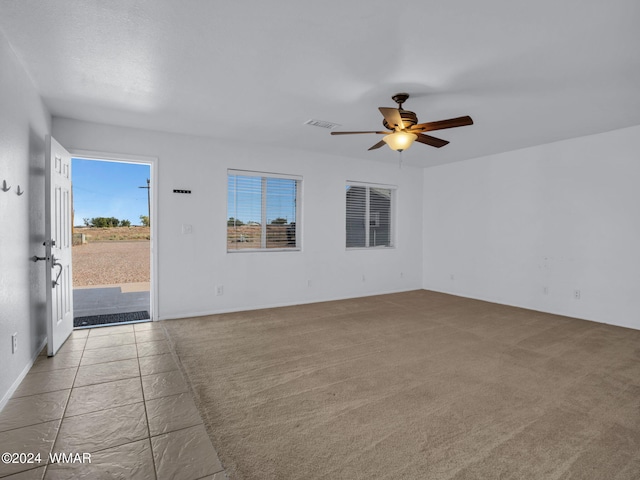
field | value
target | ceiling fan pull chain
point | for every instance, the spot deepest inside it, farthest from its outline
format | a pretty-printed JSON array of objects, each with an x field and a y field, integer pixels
[{"x": 400, "y": 160}]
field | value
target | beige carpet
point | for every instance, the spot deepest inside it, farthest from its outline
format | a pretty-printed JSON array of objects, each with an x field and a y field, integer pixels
[{"x": 417, "y": 385}]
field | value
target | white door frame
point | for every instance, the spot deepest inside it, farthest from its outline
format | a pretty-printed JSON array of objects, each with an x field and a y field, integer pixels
[{"x": 153, "y": 164}]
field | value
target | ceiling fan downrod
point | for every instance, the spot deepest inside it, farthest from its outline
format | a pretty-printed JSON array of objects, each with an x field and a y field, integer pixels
[{"x": 400, "y": 98}]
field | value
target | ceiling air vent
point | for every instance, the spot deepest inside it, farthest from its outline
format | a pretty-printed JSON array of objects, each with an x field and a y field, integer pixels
[{"x": 322, "y": 124}]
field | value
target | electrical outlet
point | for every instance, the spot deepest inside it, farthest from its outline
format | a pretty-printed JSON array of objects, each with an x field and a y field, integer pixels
[
  {"x": 576, "y": 294},
  {"x": 545, "y": 290},
  {"x": 14, "y": 342},
  {"x": 452, "y": 276},
  {"x": 363, "y": 278},
  {"x": 219, "y": 290}
]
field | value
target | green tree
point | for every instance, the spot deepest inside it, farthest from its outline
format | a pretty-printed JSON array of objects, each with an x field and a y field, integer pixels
[
  {"x": 104, "y": 222},
  {"x": 234, "y": 222},
  {"x": 279, "y": 221},
  {"x": 145, "y": 220},
  {"x": 125, "y": 223}
]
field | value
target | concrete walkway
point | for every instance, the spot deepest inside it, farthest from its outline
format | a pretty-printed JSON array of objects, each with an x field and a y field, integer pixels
[{"x": 108, "y": 299}]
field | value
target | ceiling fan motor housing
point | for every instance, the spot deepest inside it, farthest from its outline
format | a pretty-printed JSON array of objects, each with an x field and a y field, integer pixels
[{"x": 409, "y": 119}]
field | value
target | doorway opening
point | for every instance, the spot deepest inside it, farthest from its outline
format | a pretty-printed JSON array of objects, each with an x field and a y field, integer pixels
[{"x": 112, "y": 237}]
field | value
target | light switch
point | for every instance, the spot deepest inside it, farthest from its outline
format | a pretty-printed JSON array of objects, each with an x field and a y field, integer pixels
[{"x": 187, "y": 229}]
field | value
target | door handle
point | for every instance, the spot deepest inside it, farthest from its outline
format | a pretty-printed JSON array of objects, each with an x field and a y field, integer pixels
[{"x": 56, "y": 264}]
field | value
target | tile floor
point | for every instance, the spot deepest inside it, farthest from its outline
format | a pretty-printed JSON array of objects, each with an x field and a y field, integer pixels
[{"x": 117, "y": 394}]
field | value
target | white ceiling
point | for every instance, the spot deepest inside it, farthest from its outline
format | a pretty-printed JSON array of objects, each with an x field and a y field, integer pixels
[{"x": 528, "y": 72}]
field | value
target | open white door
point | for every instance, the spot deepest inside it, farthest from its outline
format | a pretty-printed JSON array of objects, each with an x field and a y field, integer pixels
[{"x": 58, "y": 245}]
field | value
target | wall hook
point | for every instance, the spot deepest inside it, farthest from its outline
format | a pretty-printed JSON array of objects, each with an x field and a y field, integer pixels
[
  {"x": 4, "y": 186},
  {"x": 18, "y": 191}
]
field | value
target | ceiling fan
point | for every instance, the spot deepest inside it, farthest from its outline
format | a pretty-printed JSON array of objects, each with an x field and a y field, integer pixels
[{"x": 403, "y": 127}]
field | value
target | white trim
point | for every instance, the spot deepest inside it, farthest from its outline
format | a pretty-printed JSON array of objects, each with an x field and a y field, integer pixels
[
  {"x": 262, "y": 250},
  {"x": 559, "y": 313},
  {"x": 14, "y": 386},
  {"x": 203, "y": 313},
  {"x": 377, "y": 247},
  {"x": 371, "y": 185},
  {"x": 153, "y": 164},
  {"x": 498, "y": 301},
  {"x": 116, "y": 157},
  {"x": 263, "y": 212},
  {"x": 255, "y": 173}
]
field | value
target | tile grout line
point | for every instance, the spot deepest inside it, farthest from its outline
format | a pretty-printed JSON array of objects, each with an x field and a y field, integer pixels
[
  {"x": 64, "y": 412},
  {"x": 73, "y": 387},
  {"x": 45, "y": 466},
  {"x": 139, "y": 376},
  {"x": 144, "y": 403}
]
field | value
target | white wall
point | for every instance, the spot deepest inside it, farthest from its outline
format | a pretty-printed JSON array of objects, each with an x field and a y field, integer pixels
[
  {"x": 191, "y": 266},
  {"x": 24, "y": 122},
  {"x": 565, "y": 216}
]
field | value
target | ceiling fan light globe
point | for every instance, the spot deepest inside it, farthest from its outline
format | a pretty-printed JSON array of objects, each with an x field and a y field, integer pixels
[{"x": 400, "y": 141}]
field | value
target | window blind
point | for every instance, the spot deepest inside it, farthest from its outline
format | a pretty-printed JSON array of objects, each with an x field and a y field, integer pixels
[
  {"x": 369, "y": 216},
  {"x": 262, "y": 211}
]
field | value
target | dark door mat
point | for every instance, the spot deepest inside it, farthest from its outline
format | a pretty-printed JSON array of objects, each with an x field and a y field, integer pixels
[{"x": 110, "y": 318}]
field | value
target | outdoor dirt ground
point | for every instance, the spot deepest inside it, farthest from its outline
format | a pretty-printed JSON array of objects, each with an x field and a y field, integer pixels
[
  {"x": 113, "y": 233},
  {"x": 111, "y": 262}
]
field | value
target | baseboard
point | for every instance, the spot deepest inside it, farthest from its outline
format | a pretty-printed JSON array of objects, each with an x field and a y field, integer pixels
[
  {"x": 526, "y": 307},
  {"x": 173, "y": 316},
  {"x": 14, "y": 386}
]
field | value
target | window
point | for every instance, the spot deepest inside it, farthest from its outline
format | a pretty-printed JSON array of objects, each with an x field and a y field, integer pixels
[
  {"x": 262, "y": 211},
  {"x": 369, "y": 215}
]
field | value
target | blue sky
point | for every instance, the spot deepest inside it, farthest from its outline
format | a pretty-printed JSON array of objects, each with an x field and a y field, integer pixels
[{"x": 109, "y": 189}]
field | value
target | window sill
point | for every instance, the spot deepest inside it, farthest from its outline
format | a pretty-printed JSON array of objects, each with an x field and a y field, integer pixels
[
  {"x": 379, "y": 247},
  {"x": 264, "y": 250}
]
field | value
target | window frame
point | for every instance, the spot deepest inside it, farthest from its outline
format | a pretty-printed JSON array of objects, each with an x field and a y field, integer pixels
[
  {"x": 368, "y": 217},
  {"x": 298, "y": 210}
]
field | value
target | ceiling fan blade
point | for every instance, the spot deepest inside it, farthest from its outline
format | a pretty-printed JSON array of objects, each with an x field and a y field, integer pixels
[
  {"x": 429, "y": 140},
  {"x": 354, "y": 133},
  {"x": 392, "y": 116},
  {"x": 442, "y": 124},
  {"x": 377, "y": 145}
]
